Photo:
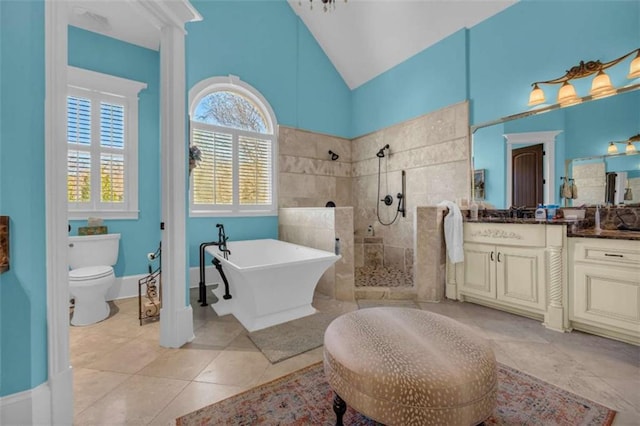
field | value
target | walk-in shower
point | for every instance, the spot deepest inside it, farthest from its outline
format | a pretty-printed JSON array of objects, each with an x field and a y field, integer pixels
[{"x": 388, "y": 198}]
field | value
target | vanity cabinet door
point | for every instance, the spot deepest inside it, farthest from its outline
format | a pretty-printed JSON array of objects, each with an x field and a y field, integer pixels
[
  {"x": 604, "y": 287},
  {"x": 479, "y": 270},
  {"x": 520, "y": 276},
  {"x": 607, "y": 296}
]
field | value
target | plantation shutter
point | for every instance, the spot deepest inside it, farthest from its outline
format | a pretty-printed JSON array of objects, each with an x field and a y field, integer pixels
[
  {"x": 112, "y": 176},
  {"x": 78, "y": 159},
  {"x": 254, "y": 171},
  {"x": 213, "y": 178}
]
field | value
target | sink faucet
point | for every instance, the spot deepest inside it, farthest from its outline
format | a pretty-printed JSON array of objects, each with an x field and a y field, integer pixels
[
  {"x": 517, "y": 212},
  {"x": 222, "y": 241}
]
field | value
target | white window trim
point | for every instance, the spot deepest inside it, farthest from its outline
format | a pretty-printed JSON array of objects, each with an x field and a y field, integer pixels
[
  {"x": 233, "y": 83},
  {"x": 94, "y": 85}
]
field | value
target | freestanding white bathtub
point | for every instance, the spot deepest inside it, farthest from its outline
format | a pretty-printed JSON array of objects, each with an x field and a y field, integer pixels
[{"x": 270, "y": 281}]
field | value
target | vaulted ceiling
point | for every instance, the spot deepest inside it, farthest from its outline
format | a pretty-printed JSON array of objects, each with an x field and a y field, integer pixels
[{"x": 362, "y": 38}]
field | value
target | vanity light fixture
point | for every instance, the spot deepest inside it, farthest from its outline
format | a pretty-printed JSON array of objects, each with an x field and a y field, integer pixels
[
  {"x": 600, "y": 87},
  {"x": 630, "y": 148}
]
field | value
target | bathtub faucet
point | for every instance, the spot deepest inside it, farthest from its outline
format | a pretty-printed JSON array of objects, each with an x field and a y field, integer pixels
[{"x": 222, "y": 241}]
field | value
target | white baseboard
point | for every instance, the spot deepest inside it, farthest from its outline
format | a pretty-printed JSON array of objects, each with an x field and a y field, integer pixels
[
  {"x": 124, "y": 287},
  {"x": 127, "y": 286},
  {"x": 33, "y": 406}
]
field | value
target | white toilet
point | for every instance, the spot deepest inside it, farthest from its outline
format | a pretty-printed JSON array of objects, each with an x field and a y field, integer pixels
[{"x": 91, "y": 275}]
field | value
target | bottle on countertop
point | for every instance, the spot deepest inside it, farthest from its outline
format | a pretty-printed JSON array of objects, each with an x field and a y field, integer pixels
[
  {"x": 337, "y": 246},
  {"x": 541, "y": 212},
  {"x": 473, "y": 210},
  {"x": 597, "y": 219}
]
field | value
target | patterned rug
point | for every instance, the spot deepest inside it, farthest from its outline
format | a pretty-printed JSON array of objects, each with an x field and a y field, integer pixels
[{"x": 304, "y": 398}]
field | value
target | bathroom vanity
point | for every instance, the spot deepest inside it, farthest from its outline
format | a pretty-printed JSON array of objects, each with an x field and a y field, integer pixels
[
  {"x": 604, "y": 287},
  {"x": 548, "y": 271}
]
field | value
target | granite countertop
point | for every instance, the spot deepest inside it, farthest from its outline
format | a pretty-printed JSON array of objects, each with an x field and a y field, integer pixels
[
  {"x": 612, "y": 234},
  {"x": 578, "y": 231},
  {"x": 529, "y": 221}
]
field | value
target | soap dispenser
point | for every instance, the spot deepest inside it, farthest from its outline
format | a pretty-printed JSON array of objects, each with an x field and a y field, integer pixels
[
  {"x": 473, "y": 210},
  {"x": 541, "y": 212}
]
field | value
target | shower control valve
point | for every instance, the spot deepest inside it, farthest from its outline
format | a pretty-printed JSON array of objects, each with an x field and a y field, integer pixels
[{"x": 388, "y": 200}]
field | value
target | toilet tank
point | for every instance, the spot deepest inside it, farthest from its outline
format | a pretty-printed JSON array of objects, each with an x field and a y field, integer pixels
[{"x": 93, "y": 250}]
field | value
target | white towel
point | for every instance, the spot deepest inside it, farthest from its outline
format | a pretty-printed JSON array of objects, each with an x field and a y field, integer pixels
[{"x": 453, "y": 233}]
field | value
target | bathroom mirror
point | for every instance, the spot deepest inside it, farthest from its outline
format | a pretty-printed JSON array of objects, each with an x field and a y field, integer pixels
[
  {"x": 606, "y": 179},
  {"x": 580, "y": 132}
]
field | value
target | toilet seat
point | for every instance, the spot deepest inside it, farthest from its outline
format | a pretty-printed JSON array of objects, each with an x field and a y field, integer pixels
[{"x": 90, "y": 273}]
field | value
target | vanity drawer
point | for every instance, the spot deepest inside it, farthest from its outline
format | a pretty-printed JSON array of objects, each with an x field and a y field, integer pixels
[
  {"x": 617, "y": 252},
  {"x": 524, "y": 235}
]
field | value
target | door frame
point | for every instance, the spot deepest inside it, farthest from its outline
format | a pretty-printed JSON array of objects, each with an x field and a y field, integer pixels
[
  {"x": 548, "y": 140},
  {"x": 53, "y": 402}
]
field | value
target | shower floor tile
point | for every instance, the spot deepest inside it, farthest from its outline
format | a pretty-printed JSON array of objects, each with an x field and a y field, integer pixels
[{"x": 382, "y": 276}]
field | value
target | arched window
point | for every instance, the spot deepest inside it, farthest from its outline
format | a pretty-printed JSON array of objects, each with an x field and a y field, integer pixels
[{"x": 234, "y": 129}]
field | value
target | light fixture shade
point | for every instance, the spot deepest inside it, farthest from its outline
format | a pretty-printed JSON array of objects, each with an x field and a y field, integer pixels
[
  {"x": 567, "y": 95},
  {"x": 631, "y": 148},
  {"x": 612, "y": 149},
  {"x": 634, "y": 69},
  {"x": 601, "y": 86},
  {"x": 536, "y": 97}
]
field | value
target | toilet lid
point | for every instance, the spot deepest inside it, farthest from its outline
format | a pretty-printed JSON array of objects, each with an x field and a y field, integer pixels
[{"x": 90, "y": 273}]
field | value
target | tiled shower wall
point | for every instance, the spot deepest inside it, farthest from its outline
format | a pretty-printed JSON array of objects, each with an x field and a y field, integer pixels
[
  {"x": 318, "y": 228},
  {"x": 308, "y": 177},
  {"x": 433, "y": 150}
]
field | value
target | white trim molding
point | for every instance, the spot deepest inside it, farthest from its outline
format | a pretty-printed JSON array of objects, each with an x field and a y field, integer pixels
[
  {"x": 31, "y": 407},
  {"x": 54, "y": 399},
  {"x": 176, "y": 328},
  {"x": 98, "y": 87},
  {"x": 548, "y": 139},
  {"x": 56, "y": 396}
]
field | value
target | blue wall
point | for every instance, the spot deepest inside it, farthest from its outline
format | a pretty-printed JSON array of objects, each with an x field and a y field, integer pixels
[
  {"x": 98, "y": 53},
  {"x": 275, "y": 53},
  {"x": 23, "y": 295},
  {"x": 532, "y": 40},
  {"x": 431, "y": 79},
  {"x": 538, "y": 40}
]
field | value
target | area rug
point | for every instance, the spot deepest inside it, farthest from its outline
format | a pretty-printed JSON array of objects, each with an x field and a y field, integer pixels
[
  {"x": 305, "y": 398},
  {"x": 291, "y": 338}
]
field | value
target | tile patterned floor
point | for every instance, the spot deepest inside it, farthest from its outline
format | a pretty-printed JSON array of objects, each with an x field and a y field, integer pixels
[
  {"x": 382, "y": 276},
  {"x": 122, "y": 375}
]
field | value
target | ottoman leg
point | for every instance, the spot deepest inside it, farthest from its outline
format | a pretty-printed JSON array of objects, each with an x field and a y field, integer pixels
[{"x": 339, "y": 407}]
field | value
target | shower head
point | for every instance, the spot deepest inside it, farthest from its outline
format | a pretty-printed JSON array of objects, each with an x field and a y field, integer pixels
[
  {"x": 333, "y": 155},
  {"x": 380, "y": 154}
]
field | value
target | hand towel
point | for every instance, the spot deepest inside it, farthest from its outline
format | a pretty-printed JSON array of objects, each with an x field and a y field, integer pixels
[
  {"x": 453, "y": 231},
  {"x": 565, "y": 189},
  {"x": 574, "y": 189}
]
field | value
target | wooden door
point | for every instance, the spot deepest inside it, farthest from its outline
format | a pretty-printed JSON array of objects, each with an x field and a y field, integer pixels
[{"x": 527, "y": 177}]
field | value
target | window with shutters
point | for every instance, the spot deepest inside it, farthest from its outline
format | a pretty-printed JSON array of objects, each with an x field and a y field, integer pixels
[
  {"x": 233, "y": 126},
  {"x": 102, "y": 145}
]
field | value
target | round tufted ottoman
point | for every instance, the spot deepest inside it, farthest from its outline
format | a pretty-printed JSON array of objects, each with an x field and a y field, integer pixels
[{"x": 403, "y": 366}]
